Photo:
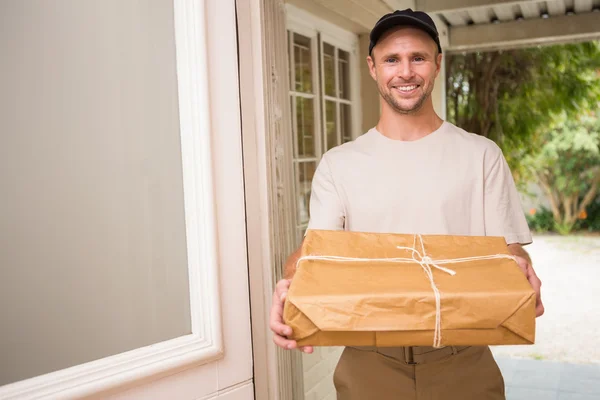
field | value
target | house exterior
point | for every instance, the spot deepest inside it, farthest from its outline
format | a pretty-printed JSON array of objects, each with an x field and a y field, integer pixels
[{"x": 159, "y": 157}]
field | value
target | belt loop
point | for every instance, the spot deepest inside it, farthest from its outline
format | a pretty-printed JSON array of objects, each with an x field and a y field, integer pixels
[
  {"x": 409, "y": 356},
  {"x": 454, "y": 350}
]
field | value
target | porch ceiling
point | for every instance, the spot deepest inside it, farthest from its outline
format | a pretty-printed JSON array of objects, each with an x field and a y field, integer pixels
[
  {"x": 497, "y": 24},
  {"x": 477, "y": 24}
]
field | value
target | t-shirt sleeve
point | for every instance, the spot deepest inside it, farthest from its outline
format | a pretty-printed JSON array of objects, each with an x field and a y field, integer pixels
[
  {"x": 504, "y": 214},
  {"x": 326, "y": 207}
]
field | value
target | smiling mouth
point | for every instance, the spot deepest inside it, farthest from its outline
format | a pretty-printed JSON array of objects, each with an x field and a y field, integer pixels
[{"x": 406, "y": 88}]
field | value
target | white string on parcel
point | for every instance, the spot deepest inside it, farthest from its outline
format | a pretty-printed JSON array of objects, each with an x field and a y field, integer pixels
[{"x": 426, "y": 263}]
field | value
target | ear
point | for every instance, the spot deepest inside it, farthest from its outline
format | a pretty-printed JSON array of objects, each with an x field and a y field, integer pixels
[
  {"x": 438, "y": 64},
  {"x": 372, "y": 70}
]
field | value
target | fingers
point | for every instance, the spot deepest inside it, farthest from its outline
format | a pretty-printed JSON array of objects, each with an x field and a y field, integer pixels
[
  {"x": 280, "y": 330},
  {"x": 534, "y": 281},
  {"x": 539, "y": 309},
  {"x": 284, "y": 343},
  {"x": 536, "y": 284},
  {"x": 278, "y": 327},
  {"x": 306, "y": 349},
  {"x": 282, "y": 286}
]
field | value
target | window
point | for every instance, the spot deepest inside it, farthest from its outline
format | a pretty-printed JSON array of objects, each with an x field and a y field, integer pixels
[{"x": 322, "y": 104}]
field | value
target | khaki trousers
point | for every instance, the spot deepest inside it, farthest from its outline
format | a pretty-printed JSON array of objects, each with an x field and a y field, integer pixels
[{"x": 418, "y": 373}]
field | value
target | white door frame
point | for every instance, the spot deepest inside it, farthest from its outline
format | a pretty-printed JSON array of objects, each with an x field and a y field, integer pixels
[
  {"x": 206, "y": 113},
  {"x": 270, "y": 205}
]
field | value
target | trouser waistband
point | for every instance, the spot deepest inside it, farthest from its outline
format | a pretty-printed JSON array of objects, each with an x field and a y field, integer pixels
[{"x": 415, "y": 354}]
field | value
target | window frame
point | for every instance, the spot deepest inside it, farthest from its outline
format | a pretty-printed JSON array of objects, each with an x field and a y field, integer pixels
[{"x": 320, "y": 32}]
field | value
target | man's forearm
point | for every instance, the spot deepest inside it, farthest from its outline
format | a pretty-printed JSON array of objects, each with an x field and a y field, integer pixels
[
  {"x": 517, "y": 250},
  {"x": 290, "y": 264}
]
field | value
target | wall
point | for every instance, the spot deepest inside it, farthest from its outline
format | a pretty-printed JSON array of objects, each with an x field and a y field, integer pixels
[
  {"x": 368, "y": 88},
  {"x": 92, "y": 220},
  {"x": 439, "y": 91}
]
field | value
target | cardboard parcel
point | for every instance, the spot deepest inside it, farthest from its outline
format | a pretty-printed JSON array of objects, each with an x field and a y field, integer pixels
[{"x": 374, "y": 289}]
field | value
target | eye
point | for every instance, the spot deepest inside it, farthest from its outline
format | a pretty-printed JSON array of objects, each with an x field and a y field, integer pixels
[
  {"x": 419, "y": 59},
  {"x": 390, "y": 60}
]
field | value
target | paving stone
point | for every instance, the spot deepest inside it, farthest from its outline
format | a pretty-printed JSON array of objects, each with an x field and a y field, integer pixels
[
  {"x": 576, "y": 396},
  {"x": 536, "y": 374},
  {"x": 520, "y": 393},
  {"x": 580, "y": 378}
]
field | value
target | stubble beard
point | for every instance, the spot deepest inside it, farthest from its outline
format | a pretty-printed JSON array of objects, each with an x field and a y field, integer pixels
[{"x": 395, "y": 104}]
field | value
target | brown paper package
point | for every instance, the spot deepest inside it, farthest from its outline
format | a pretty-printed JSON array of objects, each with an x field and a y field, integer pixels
[{"x": 384, "y": 304}]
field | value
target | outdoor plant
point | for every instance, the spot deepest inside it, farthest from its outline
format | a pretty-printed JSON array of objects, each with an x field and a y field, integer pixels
[
  {"x": 509, "y": 95},
  {"x": 590, "y": 220},
  {"x": 540, "y": 220},
  {"x": 567, "y": 167}
]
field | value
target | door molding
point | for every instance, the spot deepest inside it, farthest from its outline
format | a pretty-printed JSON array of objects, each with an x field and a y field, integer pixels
[
  {"x": 268, "y": 174},
  {"x": 205, "y": 343}
]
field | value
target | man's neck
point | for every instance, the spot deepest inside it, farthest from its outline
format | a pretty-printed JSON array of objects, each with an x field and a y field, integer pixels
[{"x": 408, "y": 127}]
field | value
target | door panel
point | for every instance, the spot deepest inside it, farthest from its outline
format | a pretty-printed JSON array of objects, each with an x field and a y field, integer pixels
[{"x": 121, "y": 112}]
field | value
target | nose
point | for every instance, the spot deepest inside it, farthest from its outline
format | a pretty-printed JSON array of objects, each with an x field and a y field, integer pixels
[{"x": 405, "y": 70}]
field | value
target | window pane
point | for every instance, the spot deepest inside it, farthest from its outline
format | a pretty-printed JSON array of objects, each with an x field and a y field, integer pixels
[
  {"x": 302, "y": 63},
  {"x": 304, "y": 175},
  {"x": 344, "y": 72},
  {"x": 329, "y": 69},
  {"x": 330, "y": 124},
  {"x": 305, "y": 128},
  {"x": 346, "y": 122}
]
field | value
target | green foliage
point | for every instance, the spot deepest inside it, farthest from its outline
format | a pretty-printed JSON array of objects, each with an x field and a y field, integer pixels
[
  {"x": 591, "y": 222},
  {"x": 564, "y": 228},
  {"x": 567, "y": 166},
  {"x": 510, "y": 96},
  {"x": 541, "y": 221}
]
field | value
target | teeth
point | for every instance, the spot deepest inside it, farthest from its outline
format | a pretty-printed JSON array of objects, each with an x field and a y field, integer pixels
[{"x": 406, "y": 88}]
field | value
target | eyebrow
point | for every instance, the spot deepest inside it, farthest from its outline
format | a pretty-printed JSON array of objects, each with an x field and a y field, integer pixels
[{"x": 414, "y": 54}]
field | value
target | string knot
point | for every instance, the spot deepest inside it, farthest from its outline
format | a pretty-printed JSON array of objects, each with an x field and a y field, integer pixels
[{"x": 426, "y": 260}]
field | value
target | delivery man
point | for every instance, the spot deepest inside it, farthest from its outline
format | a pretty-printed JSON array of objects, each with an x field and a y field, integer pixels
[{"x": 413, "y": 173}]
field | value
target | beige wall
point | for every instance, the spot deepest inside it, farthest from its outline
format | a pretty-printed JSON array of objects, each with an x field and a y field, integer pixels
[
  {"x": 93, "y": 259},
  {"x": 439, "y": 90},
  {"x": 369, "y": 94},
  {"x": 439, "y": 93}
]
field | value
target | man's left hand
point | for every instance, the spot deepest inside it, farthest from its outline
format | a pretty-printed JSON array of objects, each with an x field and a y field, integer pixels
[{"x": 535, "y": 283}]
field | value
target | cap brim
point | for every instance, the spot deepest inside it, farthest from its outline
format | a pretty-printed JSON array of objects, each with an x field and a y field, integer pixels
[{"x": 400, "y": 20}]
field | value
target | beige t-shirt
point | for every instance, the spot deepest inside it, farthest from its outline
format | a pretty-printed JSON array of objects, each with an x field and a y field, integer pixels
[{"x": 449, "y": 182}]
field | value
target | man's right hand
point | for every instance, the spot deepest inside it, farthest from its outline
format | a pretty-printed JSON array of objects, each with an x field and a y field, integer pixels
[{"x": 280, "y": 330}]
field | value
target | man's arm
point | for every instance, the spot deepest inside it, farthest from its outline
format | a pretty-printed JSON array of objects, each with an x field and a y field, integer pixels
[
  {"x": 517, "y": 250},
  {"x": 289, "y": 268},
  {"x": 524, "y": 262}
]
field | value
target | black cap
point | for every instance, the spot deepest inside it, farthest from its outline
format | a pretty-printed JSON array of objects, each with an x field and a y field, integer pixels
[{"x": 418, "y": 19}]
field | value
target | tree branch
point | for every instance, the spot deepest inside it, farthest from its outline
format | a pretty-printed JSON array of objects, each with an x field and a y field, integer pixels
[{"x": 554, "y": 203}]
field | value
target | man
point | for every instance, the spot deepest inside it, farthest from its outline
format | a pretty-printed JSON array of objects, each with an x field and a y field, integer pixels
[{"x": 413, "y": 173}]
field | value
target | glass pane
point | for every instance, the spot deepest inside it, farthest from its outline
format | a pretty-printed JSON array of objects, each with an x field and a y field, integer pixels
[
  {"x": 346, "y": 122},
  {"x": 302, "y": 63},
  {"x": 330, "y": 124},
  {"x": 305, "y": 128},
  {"x": 304, "y": 174},
  {"x": 292, "y": 115},
  {"x": 329, "y": 69},
  {"x": 344, "y": 72}
]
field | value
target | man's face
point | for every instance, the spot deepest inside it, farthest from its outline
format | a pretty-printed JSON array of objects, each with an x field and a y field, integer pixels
[{"x": 405, "y": 63}]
